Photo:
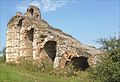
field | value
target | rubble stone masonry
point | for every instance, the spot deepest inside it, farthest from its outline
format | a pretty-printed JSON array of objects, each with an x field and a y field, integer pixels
[{"x": 29, "y": 36}]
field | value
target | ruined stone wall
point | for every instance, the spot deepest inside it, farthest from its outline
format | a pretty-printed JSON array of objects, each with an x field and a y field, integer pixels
[
  {"x": 26, "y": 39},
  {"x": 29, "y": 36},
  {"x": 33, "y": 11},
  {"x": 13, "y": 42}
]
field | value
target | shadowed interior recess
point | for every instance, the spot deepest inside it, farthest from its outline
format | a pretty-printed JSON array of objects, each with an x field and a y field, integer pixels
[
  {"x": 50, "y": 48},
  {"x": 80, "y": 63}
]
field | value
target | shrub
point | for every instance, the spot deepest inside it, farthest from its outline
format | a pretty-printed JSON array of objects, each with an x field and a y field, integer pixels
[
  {"x": 108, "y": 70},
  {"x": 11, "y": 63},
  {"x": 35, "y": 66},
  {"x": 68, "y": 71},
  {"x": 3, "y": 52}
]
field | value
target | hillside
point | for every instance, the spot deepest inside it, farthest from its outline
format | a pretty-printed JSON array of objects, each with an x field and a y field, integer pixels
[{"x": 16, "y": 74}]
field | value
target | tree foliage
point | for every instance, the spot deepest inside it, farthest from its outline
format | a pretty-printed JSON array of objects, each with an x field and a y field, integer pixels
[
  {"x": 3, "y": 52},
  {"x": 108, "y": 70}
]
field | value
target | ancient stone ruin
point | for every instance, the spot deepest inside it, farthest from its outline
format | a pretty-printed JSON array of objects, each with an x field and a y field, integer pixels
[{"x": 30, "y": 36}]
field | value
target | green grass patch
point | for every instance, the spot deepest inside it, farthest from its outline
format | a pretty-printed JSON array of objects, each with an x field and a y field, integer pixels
[
  {"x": 16, "y": 74},
  {"x": 30, "y": 71}
]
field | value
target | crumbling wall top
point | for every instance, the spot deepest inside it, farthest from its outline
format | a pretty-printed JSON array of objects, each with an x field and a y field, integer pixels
[
  {"x": 33, "y": 11},
  {"x": 18, "y": 14}
]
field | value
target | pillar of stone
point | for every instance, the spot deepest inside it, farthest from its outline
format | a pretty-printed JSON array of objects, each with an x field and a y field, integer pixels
[
  {"x": 26, "y": 47},
  {"x": 35, "y": 45},
  {"x": 12, "y": 44}
]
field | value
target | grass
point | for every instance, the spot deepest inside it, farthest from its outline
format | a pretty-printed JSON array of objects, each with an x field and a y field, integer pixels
[
  {"x": 27, "y": 72},
  {"x": 16, "y": 74}
]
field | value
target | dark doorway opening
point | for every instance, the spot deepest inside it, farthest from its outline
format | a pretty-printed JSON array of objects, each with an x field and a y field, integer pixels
[
  {"x": 37, "y": 15},
  {"x": 20, "y": 23},
  {"x": 50, "y": 48},
  {"x": 80, "y": 63},
  {"x": 30, "y": 34},
  {"x": 31, "y": 11}
]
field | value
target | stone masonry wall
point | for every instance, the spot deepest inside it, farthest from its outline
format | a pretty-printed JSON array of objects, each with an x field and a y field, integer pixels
[{"x": 29, "y": 36}]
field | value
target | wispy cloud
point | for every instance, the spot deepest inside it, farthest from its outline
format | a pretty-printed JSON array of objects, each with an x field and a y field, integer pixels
[{"x": 45, "y": 5}]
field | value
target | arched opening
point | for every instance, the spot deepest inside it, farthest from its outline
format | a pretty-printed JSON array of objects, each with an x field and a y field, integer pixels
[
  {"x": 80, "y": 63},
  {"x": 37, "y": 15},
  {"x": 31, "y": 11},
  {"x": 50, "y": 48},
  {"x": 30, "y": 34}
]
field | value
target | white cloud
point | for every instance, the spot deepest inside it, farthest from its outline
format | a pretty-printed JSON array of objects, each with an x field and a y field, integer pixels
[
  {"x": 52, "y": 5},
  {"x": 36, "y": 3},
  {"x": 45, "y": 5}
]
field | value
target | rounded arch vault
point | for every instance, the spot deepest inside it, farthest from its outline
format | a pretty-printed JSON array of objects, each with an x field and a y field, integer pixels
[{"x": 50, "y": 48}]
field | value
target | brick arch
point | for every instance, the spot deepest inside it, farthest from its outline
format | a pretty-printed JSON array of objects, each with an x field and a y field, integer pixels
[
  {"x": 50, "y": 48},
  {"x": 80, "y": 63}
]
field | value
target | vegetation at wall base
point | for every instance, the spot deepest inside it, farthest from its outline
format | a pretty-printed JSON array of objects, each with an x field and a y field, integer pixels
[{"x": 15, "y": 73}]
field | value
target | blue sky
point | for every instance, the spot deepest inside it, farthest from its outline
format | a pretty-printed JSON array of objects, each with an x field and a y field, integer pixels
[{"x": 86, "y": 20}]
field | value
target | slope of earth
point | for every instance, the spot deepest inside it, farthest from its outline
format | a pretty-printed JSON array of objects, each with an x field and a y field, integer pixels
[{"x": 16, "y": 74}]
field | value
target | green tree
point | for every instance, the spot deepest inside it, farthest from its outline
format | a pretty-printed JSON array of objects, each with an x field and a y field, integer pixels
[
  {"x": 108, "y": 70},
  {"x": 3, "y": 52}
]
